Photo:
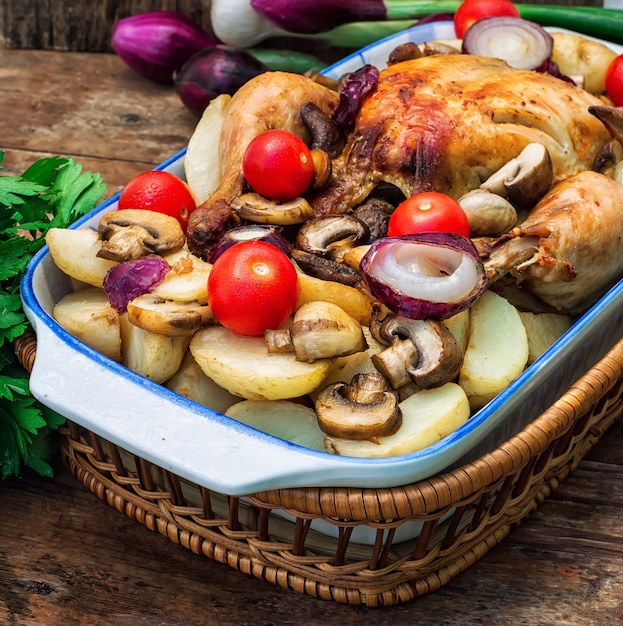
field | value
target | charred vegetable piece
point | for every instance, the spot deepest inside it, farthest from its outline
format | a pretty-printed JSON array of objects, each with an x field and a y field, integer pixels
[
  {"x": 131, "y": 279},
  {"x": 354, "y": 90}
]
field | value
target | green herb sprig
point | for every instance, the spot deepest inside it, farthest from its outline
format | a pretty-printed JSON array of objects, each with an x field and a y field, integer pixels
[{"x": 52, "y": 192}]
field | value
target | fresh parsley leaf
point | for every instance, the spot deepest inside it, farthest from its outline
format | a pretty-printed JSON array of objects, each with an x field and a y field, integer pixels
[{"x": 52, "y": 192}]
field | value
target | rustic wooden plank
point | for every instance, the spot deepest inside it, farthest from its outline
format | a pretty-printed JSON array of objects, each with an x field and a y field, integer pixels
[
  {"x": 80, "y": 25},
  {"x": 91, "y": 107},
  {"x": 66, "y": 557}
]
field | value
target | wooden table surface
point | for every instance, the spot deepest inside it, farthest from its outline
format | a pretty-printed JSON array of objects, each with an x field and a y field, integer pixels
[{"x": 67, "y": 558}]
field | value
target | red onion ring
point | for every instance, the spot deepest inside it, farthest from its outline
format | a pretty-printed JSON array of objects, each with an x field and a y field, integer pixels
[
  {"x": 524, "y": 45},
  {"x": 424, "y": 276}
]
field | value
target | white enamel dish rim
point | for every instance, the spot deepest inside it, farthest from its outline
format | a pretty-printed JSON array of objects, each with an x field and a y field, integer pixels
[{"x": 214, "y": 451}]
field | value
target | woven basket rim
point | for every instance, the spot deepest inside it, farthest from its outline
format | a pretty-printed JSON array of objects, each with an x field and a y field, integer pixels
[{"x": 446, "y": 488}]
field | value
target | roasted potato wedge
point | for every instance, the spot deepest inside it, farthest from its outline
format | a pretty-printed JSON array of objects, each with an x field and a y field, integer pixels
[
  {"x": 190, "y": 382},
  {"x": 153, "y": 355},
  {"x": 576, "y": 55},
  {"x": 543, "y": 329},
  {"x": 202, "y": 162}
]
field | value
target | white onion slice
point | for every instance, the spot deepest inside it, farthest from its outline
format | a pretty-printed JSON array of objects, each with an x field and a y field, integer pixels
[
  {"x": 524, "y": 45},
  {"x": 427, "y": 272},
  {"x": 432, "y": 275}
]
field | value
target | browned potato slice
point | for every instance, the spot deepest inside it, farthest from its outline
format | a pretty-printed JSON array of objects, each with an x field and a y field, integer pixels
[
  {"x": 155, "y": 356},
  {"x": 427, "y": 416},
  {"x": 75, "y": 253},
  {"x": 88, "y": 315},
  {"x": 243, "y": 366},
  {"x": 497, "y": 351},
  {"x": 353, "y": 301},
  {"x": 543, "y": 329}
]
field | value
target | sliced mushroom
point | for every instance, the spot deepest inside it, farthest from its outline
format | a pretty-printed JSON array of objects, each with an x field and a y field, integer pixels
[
  {"x": 422, "y": 351},
  {"x": 610, "y": 155},
  {"x": 323, "y": 169},
  {"x": 326, "y": 269},
  {"x": 488, "y": 214},
  {"x": 375, "y": 214},
  {"x": 325, "y": 134},
  {"x": 524, "y": 179},
  {"x": 319, "y": 330},
  {"x": 134, "y": 233},
  {"x": 364, "y": 409},
  {"x": 411, "y": 50},
  {"x": 611, "y": 118},
  {"x": 256, "y": 208},
  {"x": 331, "y": 235},
  {"x": 167, "y": 317}
]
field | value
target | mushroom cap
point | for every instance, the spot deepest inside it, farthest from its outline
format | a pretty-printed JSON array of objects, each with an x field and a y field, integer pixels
[{"x": 131, "y": 234}]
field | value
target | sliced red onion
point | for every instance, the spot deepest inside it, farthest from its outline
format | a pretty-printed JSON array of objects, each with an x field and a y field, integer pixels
[
  {"x": 435, "y": 17},
  {"x": 524, "y": 45},
  {"x": 261, "y": 232},
  {"x": 131, "y": 279},
  {"x": 353, "y": 92},
  {"x": 424, "y": 276}
]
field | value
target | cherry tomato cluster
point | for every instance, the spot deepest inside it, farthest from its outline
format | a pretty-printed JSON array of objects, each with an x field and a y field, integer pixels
[{"x": 471, "y": 11}]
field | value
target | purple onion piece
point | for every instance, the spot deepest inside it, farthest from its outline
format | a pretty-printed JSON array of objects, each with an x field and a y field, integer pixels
[
  {"x": 158, "y": 43},
  {"x": 551, "y": 68},
  {"x": 424, "y": 276},
  {"x": 259, "y": 232},
  {"x": 314, "y": 16},
  {"x": 352, "y": 94},
  {"x": 131, "y": 279},
  {"x": 213, "y": 71},
  {"x": 522, "y": 44},
  {"x": 436, "y": 17}
]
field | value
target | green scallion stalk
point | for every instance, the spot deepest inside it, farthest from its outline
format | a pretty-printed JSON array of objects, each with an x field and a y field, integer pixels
[
  {"x": 594, "y": 21},
  {"x": 288, "y": 60}
]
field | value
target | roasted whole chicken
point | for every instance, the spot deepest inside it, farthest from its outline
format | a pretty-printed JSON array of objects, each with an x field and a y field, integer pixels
[{"x": 448, "y": 122}]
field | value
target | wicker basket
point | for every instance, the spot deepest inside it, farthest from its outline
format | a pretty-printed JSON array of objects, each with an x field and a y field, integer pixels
[{"x": 272, "y": 535}]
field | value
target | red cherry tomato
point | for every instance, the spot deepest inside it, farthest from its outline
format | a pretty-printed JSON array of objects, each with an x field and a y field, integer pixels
[
  {"x": 614, "y": 81},
  {"x": 278, "y": 164},
  {"x": 471, "y": 11},
  {"x": 159, "y": 191},
  {"x": 252, "y": 286},
  {"x": 429, "y": 211}
]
